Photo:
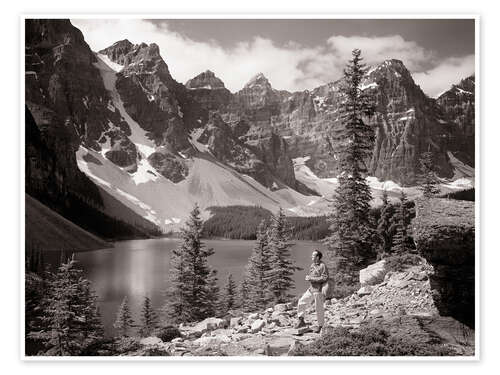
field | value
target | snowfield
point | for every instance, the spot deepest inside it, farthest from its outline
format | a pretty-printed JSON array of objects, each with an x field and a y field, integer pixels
[
  {"x": 168, "y": 204},
  {"x": 326, "y": 186}
]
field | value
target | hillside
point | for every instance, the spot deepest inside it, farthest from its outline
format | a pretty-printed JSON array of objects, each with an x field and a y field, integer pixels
[{"x": 47, "y": 230}]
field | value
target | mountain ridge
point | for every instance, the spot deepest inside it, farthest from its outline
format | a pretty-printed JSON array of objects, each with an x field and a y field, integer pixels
[{"x": 137, "y": 128}]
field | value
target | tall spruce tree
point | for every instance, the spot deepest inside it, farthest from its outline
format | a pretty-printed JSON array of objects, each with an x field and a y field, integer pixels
[
  {"x": 149, "y": 319},
  {"x": 70, "y": 320},
  {"x": 190, "y": 297},
  {"x": 428, "y": 179},
  {"x": 282, "y": 268},
  {"x": 384, "y": 224},
  {"x": 258, "y": 270},
  {"x": 402, "y": 240},
  {"x": 124, "y": 322},
  {"x": 352, "y": 243},
  {"x": 229, "y": 301}
]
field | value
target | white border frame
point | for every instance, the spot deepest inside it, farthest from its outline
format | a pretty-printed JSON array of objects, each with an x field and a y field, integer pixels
[{"x": 266, "y": 15}]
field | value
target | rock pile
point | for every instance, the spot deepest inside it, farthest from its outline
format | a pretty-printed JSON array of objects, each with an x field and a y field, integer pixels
[{"x": 401, "y": 295}]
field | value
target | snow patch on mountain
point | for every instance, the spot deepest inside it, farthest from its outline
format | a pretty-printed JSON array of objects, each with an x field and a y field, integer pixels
[
  {"x": 368, "y": 86},
  {"x": 145, "y": 145},
  {"x": 145, "y": 172},
  {"x": 208, "y": 183},
  {"x": 460, "y": 169},
  {"x": 193, "y": 139},
  {"x": 112, "y": 65}
]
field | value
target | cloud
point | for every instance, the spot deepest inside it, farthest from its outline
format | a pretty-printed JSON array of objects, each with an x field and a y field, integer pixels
[
  {"x": 290, "y": 67},
  {"x": 448, "y": 72},
  {"x": 377, "y": 49}
]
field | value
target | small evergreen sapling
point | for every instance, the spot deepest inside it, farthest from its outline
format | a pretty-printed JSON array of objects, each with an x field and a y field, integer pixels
[
  {"x": 402, "y": 240},
  {"x": 124, "y": 321},
  {"x": 149, "y": 319},
  {"x": 229, "y": 301},
  {"x": 258, "y": 270},
  {"x": 428, "y": 179}
]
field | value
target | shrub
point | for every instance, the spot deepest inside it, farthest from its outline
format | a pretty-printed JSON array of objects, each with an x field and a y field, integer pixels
[
  {"x": 369, "y": 341},
  {"x": 167, "y": 333},
  {"x": 125, "y": 345},
  {"x": 401, "y": 262}
]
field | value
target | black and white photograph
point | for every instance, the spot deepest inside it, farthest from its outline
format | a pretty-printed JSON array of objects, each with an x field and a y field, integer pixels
[{"x": 249, "y": 187}]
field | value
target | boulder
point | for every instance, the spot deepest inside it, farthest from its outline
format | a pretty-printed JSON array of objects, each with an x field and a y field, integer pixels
[
  {"x": 365, "y": 290},
  {"x": 373, "y": 274},
  {"x": 212, "y": 340},
  {"x": 235, "y": 322},
  {"x": 281, "y": 307},
  {"x": 149, "y": 341},
  {"x": 257, "y": 325},
  {"x": 208, "y": 324}
]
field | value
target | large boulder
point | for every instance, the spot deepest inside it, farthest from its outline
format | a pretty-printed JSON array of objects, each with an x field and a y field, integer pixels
[
  {"x": 373, "y": 274},
  {"x": 209, "y": 324},
  {"x": 444, "y": 233}
]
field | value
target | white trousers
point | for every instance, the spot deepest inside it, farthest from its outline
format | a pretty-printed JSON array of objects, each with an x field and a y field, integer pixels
[{"x": 306, "y": 300}]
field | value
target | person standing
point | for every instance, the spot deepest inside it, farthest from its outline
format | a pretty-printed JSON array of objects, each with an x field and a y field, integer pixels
[{"x": 317, "y": 277}]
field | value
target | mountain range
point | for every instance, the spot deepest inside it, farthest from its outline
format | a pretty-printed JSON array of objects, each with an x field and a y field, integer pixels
[{"x": 114, "y": 132}]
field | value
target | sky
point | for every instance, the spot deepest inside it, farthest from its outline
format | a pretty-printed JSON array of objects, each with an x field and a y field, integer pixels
[{"x": 297, "y": 54}]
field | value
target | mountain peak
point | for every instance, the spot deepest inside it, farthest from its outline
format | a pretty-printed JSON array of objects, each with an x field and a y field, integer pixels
[
  {"x": 124, "y": 42},
  {"x": 205, "y": 80},
  {"x": 258, "y": 80},
  {"x": 392, "y": 69}
]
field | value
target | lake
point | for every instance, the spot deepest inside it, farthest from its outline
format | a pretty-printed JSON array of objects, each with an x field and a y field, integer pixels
[{"x": 140, "y": 268}]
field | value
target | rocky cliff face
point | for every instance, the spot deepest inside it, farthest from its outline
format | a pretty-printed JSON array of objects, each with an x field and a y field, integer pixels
[
  {"x": 209, "y": 91},
  {"x": 170, "y": 112},
  {"x": 64, "y": 107},
  {"x": 406, "y": 121},
  {"x": 458, "y": 105},
  {"x": 444, "y": 234}
]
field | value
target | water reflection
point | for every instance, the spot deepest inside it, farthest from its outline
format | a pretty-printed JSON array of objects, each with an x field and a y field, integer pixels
[{"x": 140, "y": 268}]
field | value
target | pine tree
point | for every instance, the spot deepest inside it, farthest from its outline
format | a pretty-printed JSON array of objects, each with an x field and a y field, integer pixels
[
  {"x": 213, "y": 307},
  {"x": 229, "y": 301},
  {"x": 192, "y": 280},
  {"x": 177, "y": 308},
  {"x": 124, "y": 321},
  {"x": 258, "y": 270},
  {"x": 402, "y": 240},
  {"x": 384, "y": 224},
  {"x": 70, "y": 320},
  {"x": 282, "y": 268},
  {"x": 149, "y": 319},
  {"x": 244, "y": 292},
  {"x": 428, "y": 180},
  {"x": 353, "y": 241}
]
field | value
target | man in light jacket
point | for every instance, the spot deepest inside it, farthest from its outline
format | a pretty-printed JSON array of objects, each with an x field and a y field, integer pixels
[{"x": 317, "y": 277}]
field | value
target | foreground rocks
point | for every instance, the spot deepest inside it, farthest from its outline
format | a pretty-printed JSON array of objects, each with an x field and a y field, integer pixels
[{"x": 401, "y": 303}]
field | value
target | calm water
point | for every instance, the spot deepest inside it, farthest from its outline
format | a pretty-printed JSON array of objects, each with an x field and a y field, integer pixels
[{"x": 140, "y": 268}]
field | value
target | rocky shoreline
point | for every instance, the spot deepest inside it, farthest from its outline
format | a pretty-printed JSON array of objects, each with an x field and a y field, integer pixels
[{"x": 402, "y": 303}]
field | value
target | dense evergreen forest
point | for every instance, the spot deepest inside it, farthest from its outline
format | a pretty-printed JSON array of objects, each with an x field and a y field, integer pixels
[{"x": 241, "y": 222}]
